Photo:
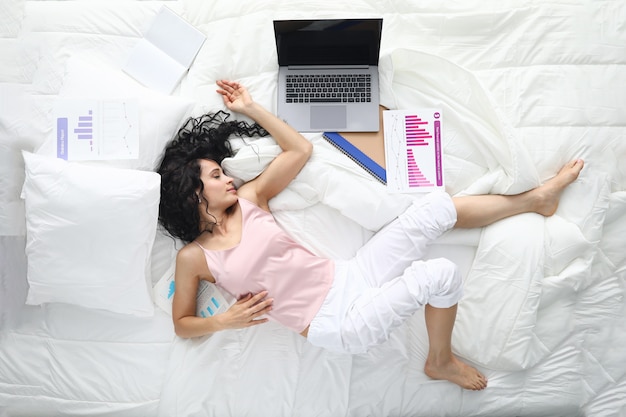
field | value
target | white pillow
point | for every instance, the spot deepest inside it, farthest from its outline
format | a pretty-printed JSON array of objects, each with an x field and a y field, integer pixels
[{"x": 89, "y": 234}]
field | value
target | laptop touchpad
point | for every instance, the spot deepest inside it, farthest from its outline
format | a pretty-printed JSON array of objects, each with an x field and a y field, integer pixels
[{"x": 328, "y": 117}]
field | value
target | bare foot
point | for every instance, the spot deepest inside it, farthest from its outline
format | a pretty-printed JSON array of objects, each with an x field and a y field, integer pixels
[
  {"x": 457, "y": 372},
  {"x": 549, "y": 194}
]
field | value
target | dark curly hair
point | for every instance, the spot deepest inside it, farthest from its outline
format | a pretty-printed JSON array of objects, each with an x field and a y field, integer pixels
[{"x": 204, "y": 137}]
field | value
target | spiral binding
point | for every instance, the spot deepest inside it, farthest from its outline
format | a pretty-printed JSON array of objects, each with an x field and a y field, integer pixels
[{"x": 352, "y": 152}]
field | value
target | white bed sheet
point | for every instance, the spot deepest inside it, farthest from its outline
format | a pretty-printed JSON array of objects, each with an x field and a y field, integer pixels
[{"x": 525, "y": 87}]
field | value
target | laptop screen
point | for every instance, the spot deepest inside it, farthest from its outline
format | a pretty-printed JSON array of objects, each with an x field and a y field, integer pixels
[{"x": 328, "y": 42}]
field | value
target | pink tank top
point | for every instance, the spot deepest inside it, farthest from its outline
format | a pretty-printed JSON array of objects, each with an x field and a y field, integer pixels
[{"x": 268, "y": 259}]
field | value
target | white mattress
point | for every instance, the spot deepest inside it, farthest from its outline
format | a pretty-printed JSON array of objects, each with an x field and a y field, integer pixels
[{"x": 523, "y": 90}]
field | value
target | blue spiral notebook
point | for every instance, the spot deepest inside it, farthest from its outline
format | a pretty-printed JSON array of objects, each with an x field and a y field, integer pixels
[{"x": 354, "y": 153}]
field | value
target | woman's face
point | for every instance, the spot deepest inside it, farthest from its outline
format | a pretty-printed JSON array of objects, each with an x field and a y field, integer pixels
[{"x": 219, "y": 189}]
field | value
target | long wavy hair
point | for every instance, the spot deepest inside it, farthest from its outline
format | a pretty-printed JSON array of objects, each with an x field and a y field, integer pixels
[{"x": 204, "y": 137}]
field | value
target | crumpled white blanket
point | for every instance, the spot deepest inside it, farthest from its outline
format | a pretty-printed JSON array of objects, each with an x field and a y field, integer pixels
[{"x": 521, "y": 263}]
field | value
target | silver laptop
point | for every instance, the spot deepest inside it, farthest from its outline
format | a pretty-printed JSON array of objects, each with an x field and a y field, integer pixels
[{"x": 328, "y": 76}]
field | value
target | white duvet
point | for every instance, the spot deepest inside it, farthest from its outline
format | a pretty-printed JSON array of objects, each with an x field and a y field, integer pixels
[{"x": 523, "y": 90}]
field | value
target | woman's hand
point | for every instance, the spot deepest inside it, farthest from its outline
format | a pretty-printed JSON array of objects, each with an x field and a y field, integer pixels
[
  {"x": 246, "y": 311},
  {"x": 235, "y": 96}
]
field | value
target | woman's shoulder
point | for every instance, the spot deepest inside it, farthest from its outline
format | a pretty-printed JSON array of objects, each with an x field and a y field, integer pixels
[
  {"x": 191, "y": 262},
  {"x": 189, "y": 253}
]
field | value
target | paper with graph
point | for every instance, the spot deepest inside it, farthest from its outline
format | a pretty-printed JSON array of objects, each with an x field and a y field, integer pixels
[
  {"x": 209, "y": 300},
  {"x": 413, "y": 154},
  {"x": 87, "y": 129}
]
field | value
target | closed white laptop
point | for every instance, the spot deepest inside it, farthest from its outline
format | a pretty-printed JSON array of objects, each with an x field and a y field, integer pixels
[{"x": 328, "y": 74}]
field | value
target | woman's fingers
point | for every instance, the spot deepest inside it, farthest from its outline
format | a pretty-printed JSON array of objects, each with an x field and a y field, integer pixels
[
  {"x": 262, "y": 308},
  {"x": 259, "y": 310},
  {"x": 256, "y": 322},
  {"x": 251, "y": 299},
  {"x": 225, "y": 84},
  {"x": 225, "y": 89},
  {"x": 249, "y": 308},
  {"x": 228, "y": 87},
  {"x": 244, "y": 299},
  {"x": 256, "y": 304}
]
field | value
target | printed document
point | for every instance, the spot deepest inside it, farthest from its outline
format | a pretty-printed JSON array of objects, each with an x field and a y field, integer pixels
[
  {"x": 413, "y": 150},
  {"x": 101, "y": 129},
  {"x": 209, "y": 299}
]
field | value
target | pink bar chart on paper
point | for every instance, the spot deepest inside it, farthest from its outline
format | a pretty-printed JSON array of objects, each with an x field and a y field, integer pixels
[
  {"x": 415, "y": 176},
  {"x": 413, "y": 150},
  {"x": 416, "y": 133}
]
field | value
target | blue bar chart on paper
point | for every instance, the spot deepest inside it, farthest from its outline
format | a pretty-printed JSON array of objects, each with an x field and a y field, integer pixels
[
  {"x": 209, "y": 299},
  {"x": 84, "y": 130},
  {"x": 96, "y": 129}
]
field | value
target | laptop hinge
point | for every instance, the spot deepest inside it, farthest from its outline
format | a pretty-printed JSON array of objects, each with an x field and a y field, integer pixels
[{"x": 326, "y": 67}]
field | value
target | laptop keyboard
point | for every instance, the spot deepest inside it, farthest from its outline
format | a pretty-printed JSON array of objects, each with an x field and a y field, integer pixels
[{"x": 339, "y": 88}]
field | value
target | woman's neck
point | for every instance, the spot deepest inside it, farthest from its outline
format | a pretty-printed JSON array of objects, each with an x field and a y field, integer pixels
[{"x": 218, "y": 220}]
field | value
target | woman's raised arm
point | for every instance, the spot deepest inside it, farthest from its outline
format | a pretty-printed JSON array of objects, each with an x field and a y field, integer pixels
[{"x": 284, "y": 168}]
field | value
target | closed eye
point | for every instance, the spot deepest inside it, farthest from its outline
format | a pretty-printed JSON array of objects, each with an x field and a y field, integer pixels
[{"x": 216, "y": 173}]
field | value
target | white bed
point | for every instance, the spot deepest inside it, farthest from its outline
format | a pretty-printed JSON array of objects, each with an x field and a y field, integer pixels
[{"x": 524, "y": 87}]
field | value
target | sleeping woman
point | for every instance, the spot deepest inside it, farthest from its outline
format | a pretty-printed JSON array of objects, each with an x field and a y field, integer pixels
[{"x": 233, "y": 241}]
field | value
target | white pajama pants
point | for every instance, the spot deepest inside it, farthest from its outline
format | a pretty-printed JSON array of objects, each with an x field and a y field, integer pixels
[{"x": 386, "y": 282}]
